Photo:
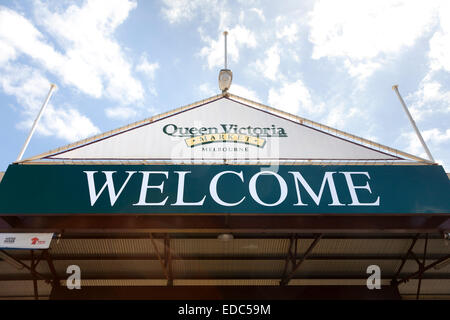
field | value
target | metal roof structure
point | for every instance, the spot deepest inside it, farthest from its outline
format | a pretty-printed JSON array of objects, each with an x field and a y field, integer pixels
[
  {"x": 156, "y": 256},
  {"x": 248, "y": 260}
]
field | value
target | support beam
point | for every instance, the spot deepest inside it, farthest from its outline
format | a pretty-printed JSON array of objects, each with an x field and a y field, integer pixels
[
  {"x": 445, "y": 226},
  {"x": 261, "y": 236},
  {"x": 421, "y": 266},
  {"x": 32, "y": 271},
  {"x": 168, "y": 260},
  {"x": 208, "y": 277},
  {"x": 288, "y": 277},
  {"x": 421, "y": 272},
  {"x": 416, "y": 258},
  {"x": 227, "y": 293},
  {"x": 56, "y": 280},
  {"x": 290, "y": 258},
  {"x": 161, "y": 260},
  {"x": 10, "y": 221},
  {"x": 408, "y": 253},
  {"x": 236, "y": 224},
  {"x": 317, "y": 257}
]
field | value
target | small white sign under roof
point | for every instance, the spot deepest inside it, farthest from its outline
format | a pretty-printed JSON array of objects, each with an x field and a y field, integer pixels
[{"x": 25, "y": 240}]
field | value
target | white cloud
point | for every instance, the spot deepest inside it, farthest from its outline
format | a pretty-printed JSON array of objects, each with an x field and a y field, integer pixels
[
  {"x": 362, "y": 70},
  {"x": 259, "y": 13},
  {"x": 7, "y": 52},
  {"x": 67, "y": 124},
  {"x": 338, "y": 116},
  {"x": 433, "y": 137},
  {"x": 88, "y": 58},
  {"x": 25, "y": 39},
  {"x": 223, "y": 16},
  {"x": 30, "y": 87},
  {"x": 440, "y": 41},
  {"x": 238, "y": 37},
  {"x": 431, "y": 98},
  {"x": 147, "y": 68},
  {"x": 288, "y": 33},
  {"x": 244, "y": 92},
  {"x": 92, "y": 55},
  {"x": 91, "y": 59},
  {"x": 414, "y": 146},
  {"x": 176, "y": 11},
  {"x": 207, "y": 90},
  {"x": 293, "y": 97},
  {"x": 121, "y": 113},
  {"x": 269, "y": 67},
  {"x": 363, "y": 32}
]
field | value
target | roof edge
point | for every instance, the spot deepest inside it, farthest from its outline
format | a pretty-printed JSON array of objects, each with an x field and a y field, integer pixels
[
  {"x": 238, "y": 99},
  {"x": 123, "y": 128},
  {"x": 331, "y": 130}
]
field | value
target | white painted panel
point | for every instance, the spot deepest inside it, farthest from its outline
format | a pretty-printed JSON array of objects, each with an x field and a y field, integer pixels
[
  {"x": 264, "y": 131},
  {"x": 25, "y": 240}
]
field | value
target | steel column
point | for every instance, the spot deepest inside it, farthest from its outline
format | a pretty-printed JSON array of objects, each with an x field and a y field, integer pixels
[
  {"x": 286, "y": 280},
  {"x": 168, "y": 260},
  {"x": 33, "y": 266},
  {"x": 56, "y": 280},
  {"x": 32, "y": 271},
  {"x": 289, "y": 257},
  {"x": 421, "y": 272},
  {"x": 161, "y": 261},
  {"x": 421, "y": 266},
  {"x": 413, "y": 243}
]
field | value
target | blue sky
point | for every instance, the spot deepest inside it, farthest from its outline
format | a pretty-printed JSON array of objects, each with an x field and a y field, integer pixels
[{"x": 119, "y": 61}]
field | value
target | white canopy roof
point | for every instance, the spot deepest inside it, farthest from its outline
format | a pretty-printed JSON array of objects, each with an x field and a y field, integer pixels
[{"x": 226, "y": 128}]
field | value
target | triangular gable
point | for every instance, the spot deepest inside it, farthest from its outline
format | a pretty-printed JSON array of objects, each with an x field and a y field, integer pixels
[{"x": 227, "y": 127}]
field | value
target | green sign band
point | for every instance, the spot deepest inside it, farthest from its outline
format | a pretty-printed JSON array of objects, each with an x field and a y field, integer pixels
[{"x": 245, "y": 189}]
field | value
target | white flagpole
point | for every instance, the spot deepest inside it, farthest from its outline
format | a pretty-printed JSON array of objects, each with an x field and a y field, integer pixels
[
  {"x": 33, "y": 128},
  {"x": 395, "y": 88}
]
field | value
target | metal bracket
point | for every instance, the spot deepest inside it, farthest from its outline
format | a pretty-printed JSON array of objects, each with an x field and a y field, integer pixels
[
  {"x": 166, "y": 261},
  {"x": 292, "y": 258}
]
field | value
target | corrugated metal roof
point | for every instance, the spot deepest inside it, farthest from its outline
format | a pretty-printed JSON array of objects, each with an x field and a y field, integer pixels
[
  {"x": 237, "y": 247},
  {"x": 230, "y": 268},
  {"x": 426, "y": 287},
  {"x": 246, "y": 247},
  {"x": 120, "y": 282},
  {"x": 242, "y": 261},
  {"x": 113, "y": 268},
  {"x": 359, "y": 246},
  {"x": 95, "y": 247},
  {"x": 345, "y": 267},
  {"x": 22, "y": 289},
  {"x": 227, "y": 282},
  {"x": 7, "y": 269}
]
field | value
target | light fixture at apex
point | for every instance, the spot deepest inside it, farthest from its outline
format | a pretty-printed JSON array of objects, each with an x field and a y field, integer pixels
[
  {"x": 225, "y": 78},
  {"x": 225, "y": 75}
]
